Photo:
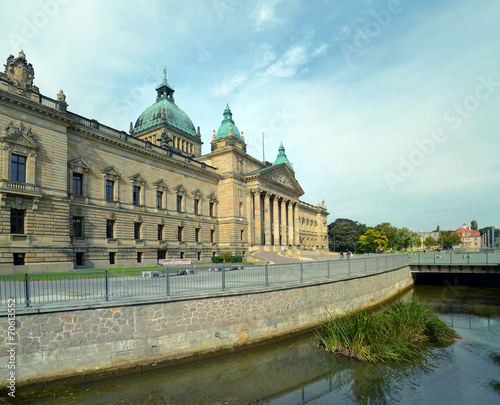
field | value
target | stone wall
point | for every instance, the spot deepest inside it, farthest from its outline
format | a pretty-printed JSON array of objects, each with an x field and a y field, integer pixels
[{"x": 65, "y": 343}]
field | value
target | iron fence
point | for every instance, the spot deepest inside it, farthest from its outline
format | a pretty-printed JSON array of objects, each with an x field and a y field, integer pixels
[{"x": 94, "y": 287}]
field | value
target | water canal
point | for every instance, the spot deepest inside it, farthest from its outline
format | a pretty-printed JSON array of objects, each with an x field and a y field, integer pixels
[{"x": 293, "y": 372}]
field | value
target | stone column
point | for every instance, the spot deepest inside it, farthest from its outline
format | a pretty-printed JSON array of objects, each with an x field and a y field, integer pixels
[
  {"x": 283, "y": 223},
  {"x": 276, "y": 221},
  {"x": 267, "y": 219},
  {"x": 290, "y": 240},
  {"x": 258, "y": 218},
  {"x": 296, "y": 227},
  {"x": 250, "y": 221}
]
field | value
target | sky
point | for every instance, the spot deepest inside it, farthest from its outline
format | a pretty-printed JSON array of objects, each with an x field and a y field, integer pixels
[{"x": 389, "y": 110}]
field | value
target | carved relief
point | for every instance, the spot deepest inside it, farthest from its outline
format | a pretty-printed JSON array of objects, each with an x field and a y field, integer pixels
[
  {"x": 280, "y": 177},
  {"x": 19, "y": 72},
  {"x": 20, "y": 135}
]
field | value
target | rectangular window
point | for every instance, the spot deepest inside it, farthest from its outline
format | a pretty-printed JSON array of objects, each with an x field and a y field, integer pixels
[
  {"x": 77, "y": 183},
  {"x": 110, "y": 185},
  {"x": 197, "y": 234},
  {"x": 137, "y": 230},
  {"x": 179, "y": 233},
  {"x": 110, "y": 228},
  {"x": 159, "y": 199},
  {"x": 212, "y": 232},
  {"x": 77, "y": 227},
  {"x": 19, "y": 259},
  {"x": 160, "y": 232},
  {"x": 182, "y": 255},
  {"x": 199, "y": 256},
  {"x": 211, "y": 209},
  {"x": 18, "y": 168},
  {"x": 179, "y": 203},
  {"x": 242, "y": 234},
  {"x": 16, "y": 221},
  {"x": 79, "y": 259},
  {"x": 136, "y": 195},
  {"x": 139, "y": 257},
  {"x": 196, "y": 205},
  {"x": 112, "y": 257}
]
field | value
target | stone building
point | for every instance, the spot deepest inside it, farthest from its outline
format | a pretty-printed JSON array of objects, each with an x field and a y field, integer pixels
[{"x": 75, "y": 193}]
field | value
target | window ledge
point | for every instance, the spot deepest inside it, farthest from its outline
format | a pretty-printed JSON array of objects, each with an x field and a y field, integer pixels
[
  {"x": 111, "y": 241},
  {"x": 18, "y": 237}
]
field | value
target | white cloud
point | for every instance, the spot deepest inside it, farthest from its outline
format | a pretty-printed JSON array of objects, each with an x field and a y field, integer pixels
[
  {"x": 266, "y": 14},
  {"x": 227, "y": 86}
]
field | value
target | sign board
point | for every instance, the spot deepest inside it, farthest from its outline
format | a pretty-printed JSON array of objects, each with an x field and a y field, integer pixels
[{"x": 174, "y": 262}]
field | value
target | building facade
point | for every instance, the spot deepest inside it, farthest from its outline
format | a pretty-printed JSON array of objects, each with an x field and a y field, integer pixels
[
  {"x": 78, "y": 194},
  {"x": 471, "y": 239}
]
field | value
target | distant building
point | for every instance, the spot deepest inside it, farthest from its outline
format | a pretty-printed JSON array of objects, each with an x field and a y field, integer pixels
[
  {"x": 425, "y": 235},
  {"x": 471, "y": 239}
]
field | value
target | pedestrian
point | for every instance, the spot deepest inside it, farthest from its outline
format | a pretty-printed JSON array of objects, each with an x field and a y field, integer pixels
[{"x": 341, "y": 254}]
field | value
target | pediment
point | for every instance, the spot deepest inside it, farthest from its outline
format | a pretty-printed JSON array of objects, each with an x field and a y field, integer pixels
[
  {"x": 278, "y": 175},
  {"x": 212, "y": 196},
  {"x": 137, "y": 178},
  {"x": 160, "y": 184},
  {"x": 20, "y": 135},
  {"x": 79, "y": 162},
  {"x": 111, "y": 171},
  {"x": 180, "y": 189},
  {"x": 197, "y": 193}
]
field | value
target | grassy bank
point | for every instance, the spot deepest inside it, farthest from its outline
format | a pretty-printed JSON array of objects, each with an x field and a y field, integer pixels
[{"x": 396, "y": 334}]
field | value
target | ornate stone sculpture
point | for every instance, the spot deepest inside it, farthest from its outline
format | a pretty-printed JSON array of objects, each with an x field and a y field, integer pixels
[{"x": 19, "y": 72}]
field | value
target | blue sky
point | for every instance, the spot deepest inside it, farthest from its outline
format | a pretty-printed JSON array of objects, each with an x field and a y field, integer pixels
[{"x": 389, "y": 110}]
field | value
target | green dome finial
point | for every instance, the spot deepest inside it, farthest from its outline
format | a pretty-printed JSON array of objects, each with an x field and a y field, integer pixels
[
  {"x": 227, "y": 125},
  {"x": 281, "y": 158}
]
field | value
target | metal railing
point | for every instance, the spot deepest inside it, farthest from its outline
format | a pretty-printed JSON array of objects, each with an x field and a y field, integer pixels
[
  {"x": 455, "y": 258},
  {"x": 99, "y": 287}
]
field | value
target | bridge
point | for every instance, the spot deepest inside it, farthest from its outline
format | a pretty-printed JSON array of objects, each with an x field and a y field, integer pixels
[{"x": 455, "y": 262}]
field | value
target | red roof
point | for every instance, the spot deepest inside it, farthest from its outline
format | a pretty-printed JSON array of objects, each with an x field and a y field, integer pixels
[{"x": 471, "y": 232}]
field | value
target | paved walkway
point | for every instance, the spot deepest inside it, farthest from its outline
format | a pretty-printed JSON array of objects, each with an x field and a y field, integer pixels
[{"x": 275, "y": 258}]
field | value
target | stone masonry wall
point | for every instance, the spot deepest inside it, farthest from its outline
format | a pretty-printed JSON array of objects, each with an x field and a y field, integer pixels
[{"x": 65, "y": 343}]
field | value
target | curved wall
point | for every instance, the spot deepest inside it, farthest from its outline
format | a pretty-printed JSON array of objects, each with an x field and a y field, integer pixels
[{"x": 61, "y": 344}]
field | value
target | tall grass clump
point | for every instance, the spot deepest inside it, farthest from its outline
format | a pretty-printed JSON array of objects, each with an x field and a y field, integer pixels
[{"x": 399, "y": 333}]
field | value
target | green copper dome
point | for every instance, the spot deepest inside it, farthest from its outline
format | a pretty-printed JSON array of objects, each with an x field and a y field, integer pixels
[
  {"x": 227, "y": 124},
  {"x": 164, "y": 111},
  {"x": 282, "y": 157}
]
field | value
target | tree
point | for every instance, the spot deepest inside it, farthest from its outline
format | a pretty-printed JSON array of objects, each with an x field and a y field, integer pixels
[
  {"x": 405, "y": 238},
  {"x": 343, "y": 234},
  {"x": 447, "y": 241},
  {"x": 390, "y": 232},
  {"x": 436, "y": 230},
  {"x": 430, "y": 241},
  {"x": 473, "y": 224},
  {"x": 372, "y": 241}
]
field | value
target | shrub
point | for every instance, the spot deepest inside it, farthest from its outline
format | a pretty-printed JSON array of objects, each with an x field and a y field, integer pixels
[
  {"x": 216, "y": 259},
  {"x": 225, "y": 256},
  {"x": 396, "y": 334}
]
